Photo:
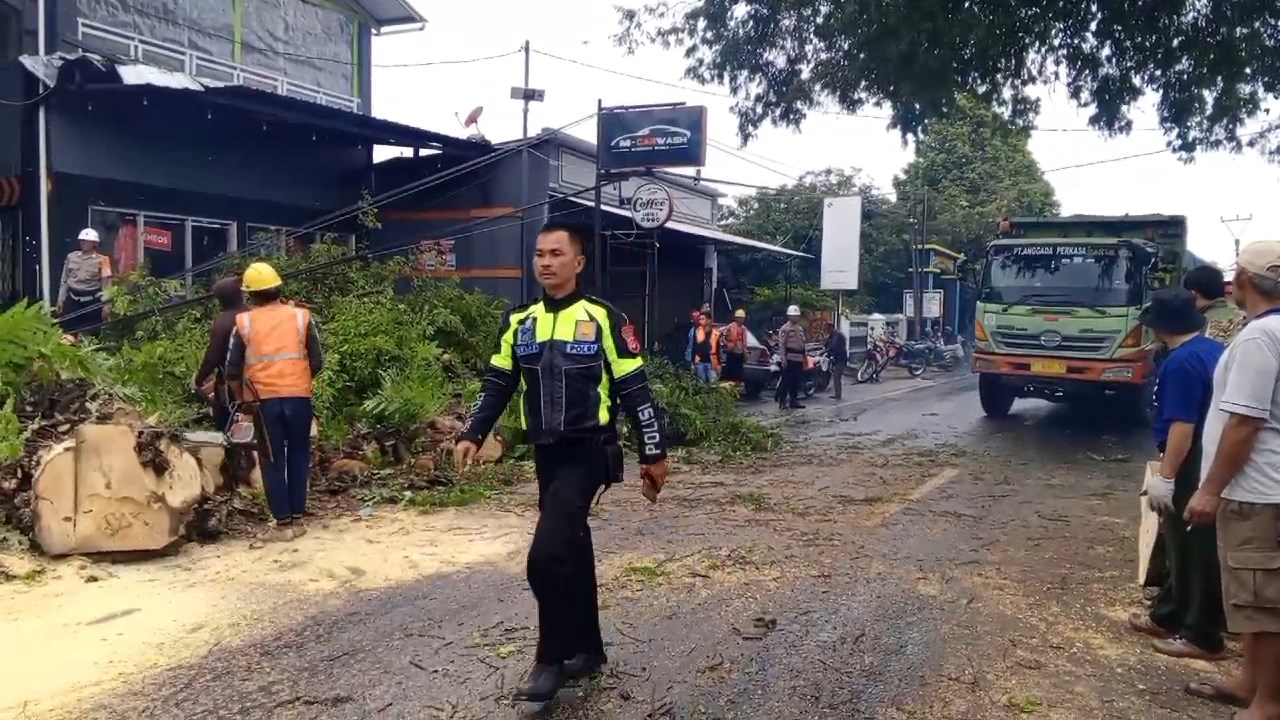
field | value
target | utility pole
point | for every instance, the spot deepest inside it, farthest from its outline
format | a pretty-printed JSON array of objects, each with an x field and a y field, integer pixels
[
  {"x": 525, "y": 94},
  {"x": 917, "y": 249},
  {"x": 525, "y": 120},
  {"x": 1229, "y": 224}
]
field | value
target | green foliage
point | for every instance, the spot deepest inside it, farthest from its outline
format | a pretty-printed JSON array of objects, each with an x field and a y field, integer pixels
[
  {"x": 13, "y": 437},
  {"x": 782, "y": 59},
  {"x": 972, "y": 168},
  {"x": 31, "y": 350},
  {"x": 708, "y": 416}
]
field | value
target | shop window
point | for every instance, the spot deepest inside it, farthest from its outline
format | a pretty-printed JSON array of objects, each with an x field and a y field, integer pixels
[
  {"x": 270, "y": 241},
  {"x": 167, "y": 246}
]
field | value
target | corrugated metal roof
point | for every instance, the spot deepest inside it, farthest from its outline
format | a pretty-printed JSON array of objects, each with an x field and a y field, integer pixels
[
  {"x": 94, "y": 71},
  {"x": 390, "y": 13}
]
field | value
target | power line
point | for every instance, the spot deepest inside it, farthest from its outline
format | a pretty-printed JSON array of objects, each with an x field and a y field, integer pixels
[
  {"x": 346, "y": 214},
  {"x": 724, "y": 149},
  {"x": 1149, "y": 153},
  {"x": 719, "y": 94}
]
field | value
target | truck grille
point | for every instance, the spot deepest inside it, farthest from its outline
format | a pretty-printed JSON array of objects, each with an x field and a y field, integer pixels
[{"x": 1032, "y": 342}]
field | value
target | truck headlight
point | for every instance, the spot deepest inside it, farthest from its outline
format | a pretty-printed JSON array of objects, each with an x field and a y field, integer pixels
[
  {"x": 984, "y": 364},
  {"x": 1117, "y": 373}
]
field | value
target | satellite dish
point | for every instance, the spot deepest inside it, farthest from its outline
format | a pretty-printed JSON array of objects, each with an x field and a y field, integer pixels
[{"x": 473, "y": 117}]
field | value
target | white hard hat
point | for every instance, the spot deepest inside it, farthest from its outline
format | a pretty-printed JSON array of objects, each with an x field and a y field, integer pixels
[
  {"x": 793, "y": 310},
  {"x": 89, "y": 234}
]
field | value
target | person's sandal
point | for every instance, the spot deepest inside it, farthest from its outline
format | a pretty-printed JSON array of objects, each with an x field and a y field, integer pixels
[{"x": 1215, "y": 693}]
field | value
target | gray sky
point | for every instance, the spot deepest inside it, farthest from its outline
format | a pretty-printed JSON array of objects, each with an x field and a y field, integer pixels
[{"x": 429, "y": 95}]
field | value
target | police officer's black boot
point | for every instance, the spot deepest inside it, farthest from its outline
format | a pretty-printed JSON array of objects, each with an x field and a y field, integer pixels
[
  {"x": 585, "y": 665},
  {"x": 545, "y": 680}
]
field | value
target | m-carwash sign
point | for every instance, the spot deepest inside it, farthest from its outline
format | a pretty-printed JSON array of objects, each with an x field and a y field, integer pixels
[{"x": 661, "y": 137}]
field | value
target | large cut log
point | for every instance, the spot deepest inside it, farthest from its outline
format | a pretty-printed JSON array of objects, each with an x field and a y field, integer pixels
[
  {"x": 53, "y": 498},
  {"x": 114, "y": 502}
]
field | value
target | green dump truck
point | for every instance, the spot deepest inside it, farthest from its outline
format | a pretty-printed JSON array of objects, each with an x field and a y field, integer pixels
[{"x": 1058, "y": 304}]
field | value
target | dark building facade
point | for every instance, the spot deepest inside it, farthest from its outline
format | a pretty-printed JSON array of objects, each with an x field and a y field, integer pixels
[
  {"x": 182, "y": 131},
  {"x": 483, "y": 223}
]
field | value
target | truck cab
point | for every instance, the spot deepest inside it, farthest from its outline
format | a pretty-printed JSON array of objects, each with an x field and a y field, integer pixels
[{"x": 1058, "y": 305}]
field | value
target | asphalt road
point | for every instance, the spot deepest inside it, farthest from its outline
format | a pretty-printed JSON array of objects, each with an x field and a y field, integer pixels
[{"x": 904, "y": 557}]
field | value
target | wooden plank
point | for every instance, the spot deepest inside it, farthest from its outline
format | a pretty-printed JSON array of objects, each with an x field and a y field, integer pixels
[
  {"x": 1148, "y": 525},
  {"x": 451, "y": 214}
]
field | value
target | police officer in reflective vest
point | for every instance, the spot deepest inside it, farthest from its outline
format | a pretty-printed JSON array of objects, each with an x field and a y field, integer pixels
[
  {"x": 577, "y": 360},
  {"x": 272, "y": 358}
]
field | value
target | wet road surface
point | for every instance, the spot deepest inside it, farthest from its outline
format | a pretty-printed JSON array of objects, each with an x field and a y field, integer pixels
[{"x": 904, "y": 557}]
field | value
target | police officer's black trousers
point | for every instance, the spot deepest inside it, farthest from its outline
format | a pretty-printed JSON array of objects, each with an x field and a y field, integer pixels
[
  {"x": 562, "y": 563},
  {"x": 1190, "y": 600}
]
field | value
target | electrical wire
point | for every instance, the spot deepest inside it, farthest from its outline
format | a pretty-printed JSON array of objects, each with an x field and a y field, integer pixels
[
  {"x": 364, "y": 255},
  {"x": 722, "y": 148},
  {"x": 719, "y": 94},
  {"x": 32, "y": 101},
  {"x": 377, "y": 201}
]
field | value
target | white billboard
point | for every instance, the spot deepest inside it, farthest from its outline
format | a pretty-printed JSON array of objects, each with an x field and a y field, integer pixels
[{"x": 841, "y": 242}]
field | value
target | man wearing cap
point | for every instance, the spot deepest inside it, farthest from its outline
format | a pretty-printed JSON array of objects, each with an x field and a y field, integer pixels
[
  {"x": 86, "y": 275},
  {"x": 1240, "y": 492},
  {"x": 791, "y": 345},
  {"x": 272, "y": 359},
  {"x": 1186, "y": 618},
  {"x": 734, "y": 342}
]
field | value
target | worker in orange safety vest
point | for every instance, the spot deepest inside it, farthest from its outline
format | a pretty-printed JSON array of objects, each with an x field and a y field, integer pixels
[{"x": 272, "y": 359}]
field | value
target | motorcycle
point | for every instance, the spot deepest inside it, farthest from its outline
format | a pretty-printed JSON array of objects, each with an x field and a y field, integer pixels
[
  {"x": 817, "y": 376},
  {"x": 889, "y": 350}
]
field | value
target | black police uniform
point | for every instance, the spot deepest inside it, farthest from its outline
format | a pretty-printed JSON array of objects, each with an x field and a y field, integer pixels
[{"x": 575, "y": 360}]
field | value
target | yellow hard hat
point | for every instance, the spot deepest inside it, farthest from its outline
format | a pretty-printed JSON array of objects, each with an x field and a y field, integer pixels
[
  {"x": 260, "y": 276},
  {"x": 740, "y": 313}
]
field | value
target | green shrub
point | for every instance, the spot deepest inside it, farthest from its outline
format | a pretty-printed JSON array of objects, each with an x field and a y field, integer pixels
[{"x": 709, "y": 416}]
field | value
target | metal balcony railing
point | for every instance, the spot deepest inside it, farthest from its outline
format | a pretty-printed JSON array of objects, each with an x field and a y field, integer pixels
[{"x": 207, "y": 67}]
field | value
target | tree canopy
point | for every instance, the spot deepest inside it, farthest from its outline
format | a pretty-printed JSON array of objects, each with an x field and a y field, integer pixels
[
  {"x": 1211, "y": 65},
  {"x": 969, "y": 171}
]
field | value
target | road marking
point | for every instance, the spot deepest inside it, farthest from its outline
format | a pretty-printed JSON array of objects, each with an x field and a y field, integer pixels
[
  {"x": 793, "y": 414},
  {"x": 930, "y": 485}
]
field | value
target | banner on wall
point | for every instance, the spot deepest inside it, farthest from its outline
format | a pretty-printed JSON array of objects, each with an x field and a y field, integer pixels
[{"x": 157, "y": 239}]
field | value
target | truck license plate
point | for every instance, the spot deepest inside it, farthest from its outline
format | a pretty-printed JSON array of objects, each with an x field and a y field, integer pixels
[{"x": 1049, "y": 367}]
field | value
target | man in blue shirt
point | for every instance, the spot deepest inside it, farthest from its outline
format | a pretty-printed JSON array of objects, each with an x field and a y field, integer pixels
[{"x": 1186, "y": 618}]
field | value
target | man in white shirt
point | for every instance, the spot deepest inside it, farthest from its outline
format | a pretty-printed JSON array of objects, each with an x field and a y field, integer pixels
[{"x": 1240, "y": 485}]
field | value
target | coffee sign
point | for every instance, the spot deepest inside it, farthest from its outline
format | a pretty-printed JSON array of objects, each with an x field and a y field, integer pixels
[{"x": 651, "y": 206}]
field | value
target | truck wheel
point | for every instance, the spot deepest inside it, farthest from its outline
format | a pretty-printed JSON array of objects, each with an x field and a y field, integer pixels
[
  {"x": 996, "y": 399},
  {"x": 751, "y": 391}
]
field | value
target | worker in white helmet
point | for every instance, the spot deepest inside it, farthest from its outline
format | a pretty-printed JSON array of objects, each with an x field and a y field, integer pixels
[
  {"x": 86, "y": 275},
  {"x": 791, "y": 342}
]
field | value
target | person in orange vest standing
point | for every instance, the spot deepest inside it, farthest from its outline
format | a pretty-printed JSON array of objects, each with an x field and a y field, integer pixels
[{"x": 272, "y": 359}]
